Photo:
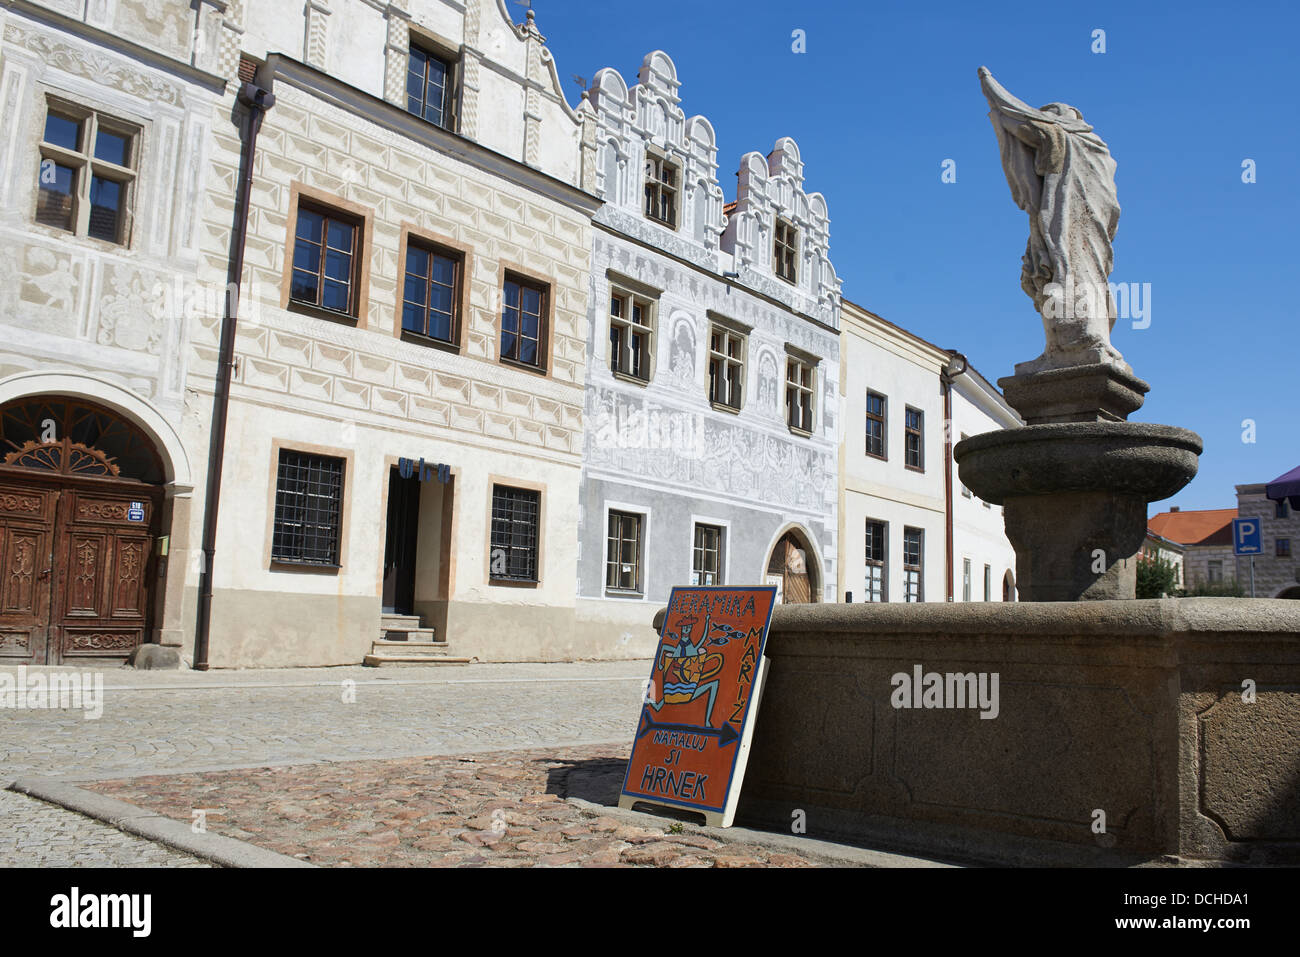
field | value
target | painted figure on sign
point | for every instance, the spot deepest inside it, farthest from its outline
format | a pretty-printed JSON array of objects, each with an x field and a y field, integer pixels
[{"x": 685, "y": 668}]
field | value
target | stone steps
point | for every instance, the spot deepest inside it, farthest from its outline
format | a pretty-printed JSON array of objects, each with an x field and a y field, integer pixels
[{"x": 405, "y": 641}]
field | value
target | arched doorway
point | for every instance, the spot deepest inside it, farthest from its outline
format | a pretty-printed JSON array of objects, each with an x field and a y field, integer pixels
[
  {"x": 1008, "y": 586},
  {"x": 1291, "y": 592},
  {"x": 792, "y": 567},
  {"x": 81, "y": 491}
]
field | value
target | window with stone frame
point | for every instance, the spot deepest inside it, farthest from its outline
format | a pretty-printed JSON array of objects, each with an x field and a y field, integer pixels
[
  {"x": 515, "y": 534},
  {"x": 726, "y": 367},
  {"x": 876, "y": 430},
  {"x": 87, "y": 172},
  {"x": 1281, "y": 509},
  {"x": 965, "y": 579},
  {"x": 523, "y": 322},
  {"x": 877, "y": 560},
  {"x": 913, "y": 567},
  {"x": 785, "y": 251},
  {"x": 1282, "y": 548},
  {"x": 706, "y": 556},
  {"x": 431, "y": 86},
  {"x": 800, "y": 382},
  {"x": 623, "y": 553},
  {"x": 308, "y": 509},
  {"x": 1214, "y": 571},
  {"x": 631, "y": 334},
  {"x": 431, "y": 292},
  {"x": 661, "y": 189},
  {"x": 326, "y": 259},
  {"x": 914, "y": 439},
  {"x": 988, "y": 582}
]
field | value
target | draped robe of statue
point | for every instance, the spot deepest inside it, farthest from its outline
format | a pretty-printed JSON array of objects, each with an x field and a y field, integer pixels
[{"x": 1061, "y": 173}]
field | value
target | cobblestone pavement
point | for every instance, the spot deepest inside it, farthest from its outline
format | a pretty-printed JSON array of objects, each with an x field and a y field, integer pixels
[
  {"x": 36, "y": 834},
  {"x": 168, "y": 721},
  {"x": 505, "y": 809},
  {"x": 158, "y": 722}
]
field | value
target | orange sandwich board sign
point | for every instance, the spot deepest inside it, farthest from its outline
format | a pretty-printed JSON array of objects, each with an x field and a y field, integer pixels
[{"x": 698, "y": 712}]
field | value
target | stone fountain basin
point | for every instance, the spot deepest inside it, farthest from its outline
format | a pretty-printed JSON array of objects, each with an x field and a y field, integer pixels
[{"x": 1124, "y": 458}]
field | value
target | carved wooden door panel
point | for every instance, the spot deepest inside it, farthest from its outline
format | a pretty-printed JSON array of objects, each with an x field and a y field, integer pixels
[
  {"x": 26, "y": 541},
  {"x": 104, "y": 541}
]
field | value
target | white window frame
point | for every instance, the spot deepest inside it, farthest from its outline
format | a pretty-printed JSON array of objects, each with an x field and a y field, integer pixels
[
  {"x": 631, "y": 301},
  {"x": 86, "y": 167},
  {"x": 729, "y": 334},
  {"x": 643, "y": 551},
  {"x": 795, "y": 389}
]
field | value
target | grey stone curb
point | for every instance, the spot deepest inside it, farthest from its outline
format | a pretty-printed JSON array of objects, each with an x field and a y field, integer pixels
[
  {"x": 220, "y": 850},
  {"x": 822, "y": 851}
]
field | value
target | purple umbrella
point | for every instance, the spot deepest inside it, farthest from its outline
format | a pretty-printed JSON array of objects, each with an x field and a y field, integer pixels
[{"x": 1285, "y": 487}]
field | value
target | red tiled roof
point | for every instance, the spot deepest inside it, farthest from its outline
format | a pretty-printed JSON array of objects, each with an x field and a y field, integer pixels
[
  {"x": 729, "y": 209},
  {"x": 1211, "y": 526}
]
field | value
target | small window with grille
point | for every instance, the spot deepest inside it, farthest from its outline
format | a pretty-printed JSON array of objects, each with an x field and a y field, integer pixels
[
  {"x": 515, "y": 534},
  {"x": 308, "y": 509}
]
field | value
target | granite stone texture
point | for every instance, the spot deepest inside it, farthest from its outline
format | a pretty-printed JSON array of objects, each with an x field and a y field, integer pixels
[{"x": 1118, "y": 731}]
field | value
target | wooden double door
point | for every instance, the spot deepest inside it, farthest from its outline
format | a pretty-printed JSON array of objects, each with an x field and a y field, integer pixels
[{"x": 76, "y": 568}]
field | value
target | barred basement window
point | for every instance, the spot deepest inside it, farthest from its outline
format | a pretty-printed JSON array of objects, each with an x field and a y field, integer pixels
[
  {"x": 308, "y": 509},
  {"x": 706, "y": 561},
  {"x": 726, "y": 367},
  {"x": 661, "y": 190},
  {"x": 631, "y": 335},
  {"x": 913, "y": 556},
  {"x": 799, "y": 395},
  {"x": 785, "y": 251},
  {"x": 86, "y": 173},
  {"x": 515, "y": 514},
  {"x": 623, "y": 555},
  {"x": 877, "y": 536},
  {"x": 914, "y": 442},
  {"x": 876, "y": 425}
]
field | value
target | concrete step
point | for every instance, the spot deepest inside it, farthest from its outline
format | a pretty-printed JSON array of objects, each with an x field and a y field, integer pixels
[
  {"x": 376, "y": 661},
  {"x": 399, "y": 622},
  {"x": 382, "y": 647},
  {"x": 406, "y": 634}
]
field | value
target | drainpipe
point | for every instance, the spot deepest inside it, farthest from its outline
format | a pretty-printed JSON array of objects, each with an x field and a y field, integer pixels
[
  {"x": 946, "y": 375},
  {"x": 256, "y": 102}
]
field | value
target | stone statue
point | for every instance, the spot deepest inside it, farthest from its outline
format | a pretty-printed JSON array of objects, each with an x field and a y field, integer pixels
[{"x": 1062, "y": 174}]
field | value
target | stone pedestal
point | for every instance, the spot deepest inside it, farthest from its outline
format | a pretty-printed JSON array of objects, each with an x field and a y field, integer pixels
[
  {"x": 1074, "y": 483},
  {"x": 1074, "y": 498}
]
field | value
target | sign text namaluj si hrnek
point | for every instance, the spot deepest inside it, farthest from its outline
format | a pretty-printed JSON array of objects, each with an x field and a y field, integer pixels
[{"x": 698, "y": 713}]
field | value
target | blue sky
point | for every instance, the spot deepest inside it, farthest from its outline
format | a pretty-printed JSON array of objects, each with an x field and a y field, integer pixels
[{"x": 888, "y": 90}]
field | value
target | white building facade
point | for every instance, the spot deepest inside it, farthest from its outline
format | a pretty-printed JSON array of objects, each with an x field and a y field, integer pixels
[
  {"x": 713, "y": 360},
  {"x": 405, "y": 426},
  {"x": 106, "y": 112},
  {"x": 909, "y": 531}
]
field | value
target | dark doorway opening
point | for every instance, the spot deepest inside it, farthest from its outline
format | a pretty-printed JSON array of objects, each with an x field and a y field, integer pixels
[{"x": 400, "y": 542}]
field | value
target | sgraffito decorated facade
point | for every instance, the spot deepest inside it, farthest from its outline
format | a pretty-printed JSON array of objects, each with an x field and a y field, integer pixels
[{"x": 713, "y": 364}]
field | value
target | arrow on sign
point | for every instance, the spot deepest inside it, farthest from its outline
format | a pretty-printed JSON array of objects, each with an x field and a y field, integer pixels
[{"x": 725, "y": 734}]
